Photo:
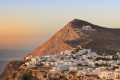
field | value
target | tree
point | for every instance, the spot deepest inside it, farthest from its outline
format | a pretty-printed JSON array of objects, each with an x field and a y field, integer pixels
[
  {"x": 73, "y": 52},
  {"x": 98, "y": 58},
  {"x": 77, "y": 49},
  {"x": 45, "y": 76},
  {"x": 96, "y": 64},
  {"x": 79, "y": 64},
  {"x": 72, "y": 72}
]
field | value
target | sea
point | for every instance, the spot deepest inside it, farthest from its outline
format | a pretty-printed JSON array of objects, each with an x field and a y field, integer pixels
[{"x": 8, "y": 55}]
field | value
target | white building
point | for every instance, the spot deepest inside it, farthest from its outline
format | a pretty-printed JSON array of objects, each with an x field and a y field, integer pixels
[
  {"x": 30, "y": 65},
  {"x": 67, "y": 52},
  {"x": 106, "y": 75},
  {"x": 117, "y": 74},
  {"x": 29, "y": 57},
  {"x": 60, "y": 68},
  {"x": 87, "y": 27}
]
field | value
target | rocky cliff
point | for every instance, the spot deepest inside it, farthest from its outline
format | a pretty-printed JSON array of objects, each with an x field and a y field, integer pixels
[
  {"x": 10, "y": 69},
  {"x": 102, "y": 39}
]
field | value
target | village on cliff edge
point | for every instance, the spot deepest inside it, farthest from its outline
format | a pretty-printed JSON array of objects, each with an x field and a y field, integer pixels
[{"x": 80, "y": 61}]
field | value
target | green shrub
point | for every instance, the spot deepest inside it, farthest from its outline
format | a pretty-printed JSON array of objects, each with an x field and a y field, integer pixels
[
  {"x": 70, "y": 77},
  {"x": 101, "y": 65},
  {"x": 54, "y": 79},
  {"x": 73, "y": 52},
  {"x": 79, "y": 64},
  {"x": 77, "y": 49},
  {"x": 71, "y": 72},
  {"x": 115, "y": 68},
  {"x": 97, "y": 59},
  {"x": 96, "y": 64},
  {"x": 65, "y": 79},
  {"x": 41, "y": 64},
  {"x": 14, "y": 75},
  {"x": 26, "y": 77},
  {"x": 6, "y": 79},
  {"x": 78, "y": 77},
  {"x": 45, "y": 76}
]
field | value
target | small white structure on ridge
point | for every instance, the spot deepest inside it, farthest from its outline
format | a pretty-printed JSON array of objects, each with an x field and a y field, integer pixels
[{"x": 87, "y": 27}]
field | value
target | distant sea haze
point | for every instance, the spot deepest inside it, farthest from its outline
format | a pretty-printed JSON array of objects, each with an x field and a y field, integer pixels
[{"x": 8, "y": 55}]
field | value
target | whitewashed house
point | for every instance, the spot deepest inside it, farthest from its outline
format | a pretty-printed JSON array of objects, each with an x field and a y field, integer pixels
[
  {"x": 106, "y": 75},
  {"x": 87, "y": 27},
  {"x": 29, "y": 57},
  {"x": 67, "y": 52},
  {"x": 117, "y": 74},
  {"x": 60, "y": 68}
]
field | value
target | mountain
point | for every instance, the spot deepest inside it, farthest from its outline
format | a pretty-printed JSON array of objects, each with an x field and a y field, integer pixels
[
  {"x": 100, "y": 39},
  {"x": 76, "y": 33}
]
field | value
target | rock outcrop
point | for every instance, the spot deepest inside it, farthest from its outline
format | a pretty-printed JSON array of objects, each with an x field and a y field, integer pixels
[
  {"x": 100, "y": 39},
  {"x": 10, "y": 69}
]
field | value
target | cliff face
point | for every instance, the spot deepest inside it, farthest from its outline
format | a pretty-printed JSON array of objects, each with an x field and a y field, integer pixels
[
  {"x": 57, "y": 43},
  {"x": 10, "y": 69},
  {"x": 102, "y": 39}
]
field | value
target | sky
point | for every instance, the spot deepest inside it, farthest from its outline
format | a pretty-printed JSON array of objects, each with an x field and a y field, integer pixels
[{"x": 27, "y": 24}]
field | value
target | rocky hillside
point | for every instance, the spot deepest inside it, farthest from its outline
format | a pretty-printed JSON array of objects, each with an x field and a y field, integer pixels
[
  {"x": 10, "y": 69},
  {"x": 101, "y": 40}
]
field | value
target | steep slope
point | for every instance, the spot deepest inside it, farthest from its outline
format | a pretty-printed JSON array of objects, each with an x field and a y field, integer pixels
[
  {"x": 103, "y": 40},
  {"x": 56, "y": 44},
  {"x": 10, "y": 69},
  {"x": 72, "y": 35}
]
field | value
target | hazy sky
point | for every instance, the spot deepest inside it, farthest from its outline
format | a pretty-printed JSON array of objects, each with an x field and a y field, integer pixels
[{"x": 26, "y": 24}]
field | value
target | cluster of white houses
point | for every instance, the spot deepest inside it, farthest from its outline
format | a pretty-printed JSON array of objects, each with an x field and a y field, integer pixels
[{"x": 81, "y": 61}]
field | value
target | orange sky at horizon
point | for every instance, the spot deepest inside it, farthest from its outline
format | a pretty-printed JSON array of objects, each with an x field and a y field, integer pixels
[{"x": 28, "y": 24}]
